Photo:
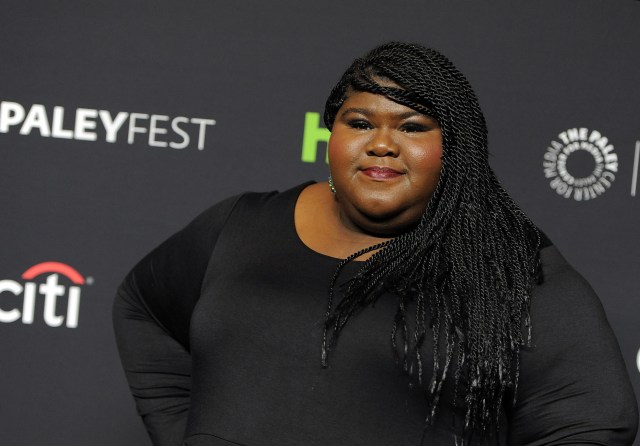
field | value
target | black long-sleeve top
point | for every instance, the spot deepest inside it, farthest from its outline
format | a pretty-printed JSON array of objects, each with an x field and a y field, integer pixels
[{"x": 219, "y": 330}]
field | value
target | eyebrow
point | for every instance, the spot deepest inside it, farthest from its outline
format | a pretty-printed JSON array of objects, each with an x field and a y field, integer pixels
[{"x": 367, "y": 112}]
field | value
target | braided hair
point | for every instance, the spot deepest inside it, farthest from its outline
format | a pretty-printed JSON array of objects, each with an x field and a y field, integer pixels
[{"x": 465, "y": 272}]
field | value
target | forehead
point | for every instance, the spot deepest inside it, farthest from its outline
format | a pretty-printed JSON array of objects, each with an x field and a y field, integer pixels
[
  {"x": 377, "y": 105},
  {"x": 371, "y": 102}
]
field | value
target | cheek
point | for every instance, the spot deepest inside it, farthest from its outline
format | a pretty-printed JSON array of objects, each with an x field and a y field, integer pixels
[
  {"x": 333, "y": 148},
  {"x": 341, "y": 151},
  {"x": 427, "y": 161}
]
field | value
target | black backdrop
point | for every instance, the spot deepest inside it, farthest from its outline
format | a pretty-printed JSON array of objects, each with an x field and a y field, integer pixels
[{"x": 160, "y": 73}]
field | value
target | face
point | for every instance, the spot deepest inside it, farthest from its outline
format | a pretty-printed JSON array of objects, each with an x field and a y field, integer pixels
[{"x": 385, "y": 161}]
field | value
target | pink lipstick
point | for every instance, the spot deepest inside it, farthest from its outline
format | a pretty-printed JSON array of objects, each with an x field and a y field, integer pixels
[{"x": 381, "y": 173}]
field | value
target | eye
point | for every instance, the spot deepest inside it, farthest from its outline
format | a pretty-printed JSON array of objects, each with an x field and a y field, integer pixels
[
  {"x": 413, "y": 127},
  {"x": 359, "y": 124}
]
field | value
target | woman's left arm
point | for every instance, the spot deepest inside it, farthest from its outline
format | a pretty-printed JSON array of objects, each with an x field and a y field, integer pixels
[{"x": 573, "y": 388}]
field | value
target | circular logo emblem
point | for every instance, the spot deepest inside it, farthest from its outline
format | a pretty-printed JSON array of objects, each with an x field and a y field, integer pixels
[{"x": 580, "y": 164}]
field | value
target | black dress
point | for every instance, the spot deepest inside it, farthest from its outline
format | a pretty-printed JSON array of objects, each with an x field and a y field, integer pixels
[{"x": 220, "y": 327}]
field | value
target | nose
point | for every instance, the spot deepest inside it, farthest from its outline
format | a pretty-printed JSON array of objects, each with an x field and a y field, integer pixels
[{"x": 382, "y": 144}]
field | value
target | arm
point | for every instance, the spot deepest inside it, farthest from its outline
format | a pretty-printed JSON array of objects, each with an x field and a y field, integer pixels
[
  {"x": 151, "y": 317},
  {"x": 574, "y": 388}
]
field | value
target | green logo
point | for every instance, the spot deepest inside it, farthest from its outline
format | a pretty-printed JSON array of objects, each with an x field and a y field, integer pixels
[{"x": 312, "y": 136}]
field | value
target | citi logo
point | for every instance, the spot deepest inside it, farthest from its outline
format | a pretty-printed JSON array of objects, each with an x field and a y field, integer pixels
[{"x": 51, "y": 290}]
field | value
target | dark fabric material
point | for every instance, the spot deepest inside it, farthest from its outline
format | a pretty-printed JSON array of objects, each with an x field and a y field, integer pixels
[
  {"x": 151, "y": 319},
  {"x": 253, "y": 297}
]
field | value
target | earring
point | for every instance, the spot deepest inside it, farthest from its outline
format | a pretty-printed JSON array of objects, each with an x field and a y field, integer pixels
[{"x": 331, "y": 186}]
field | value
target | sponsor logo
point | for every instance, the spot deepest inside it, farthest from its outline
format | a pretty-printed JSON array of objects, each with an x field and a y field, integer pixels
[
  {"x": 155, "y": 130},
  {"x": 312, "y": 137},
  {"x": 51, "y": 290},
  {"x": 634, "y": 177},
  {"x": 580, "y": 164}
]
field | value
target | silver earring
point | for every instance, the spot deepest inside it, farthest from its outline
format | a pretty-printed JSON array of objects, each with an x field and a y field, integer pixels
[{"x": 331, "y": 186}]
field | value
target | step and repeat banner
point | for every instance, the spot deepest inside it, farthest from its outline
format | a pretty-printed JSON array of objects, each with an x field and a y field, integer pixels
[{"x": 121, "y": 121}]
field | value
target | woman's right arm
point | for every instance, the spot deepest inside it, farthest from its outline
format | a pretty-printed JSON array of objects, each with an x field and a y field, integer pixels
[{"x": 151, "y": 315}]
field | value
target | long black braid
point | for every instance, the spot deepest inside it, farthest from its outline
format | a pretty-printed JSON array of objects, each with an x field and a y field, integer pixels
[{"x": 466, "y": 271}]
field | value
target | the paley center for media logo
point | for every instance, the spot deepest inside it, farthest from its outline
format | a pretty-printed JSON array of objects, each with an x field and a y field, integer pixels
[
  {"x": 580, "y": 164},
  {"x": 41, "y": 295}
]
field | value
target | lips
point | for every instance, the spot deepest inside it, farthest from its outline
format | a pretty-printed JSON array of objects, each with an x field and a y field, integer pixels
[{"x": 381, "y": 173}]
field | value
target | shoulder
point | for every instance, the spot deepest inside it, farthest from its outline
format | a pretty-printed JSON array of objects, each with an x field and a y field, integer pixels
[
  {"x": 566, "y": 312},
  {"x": 252, "y": 206},
  {"x": 216, "y": 216},
  {"x": 273, "y": 197},
  {"x": 565, "y": 301},
  {"x": 562, "y": 285}
]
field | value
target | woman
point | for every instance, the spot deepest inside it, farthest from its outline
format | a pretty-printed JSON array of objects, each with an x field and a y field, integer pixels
[{"x": 227, "y": 334}]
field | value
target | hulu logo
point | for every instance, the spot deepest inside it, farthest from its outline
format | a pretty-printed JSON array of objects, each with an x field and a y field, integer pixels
[{"x": 313, "y": 135}]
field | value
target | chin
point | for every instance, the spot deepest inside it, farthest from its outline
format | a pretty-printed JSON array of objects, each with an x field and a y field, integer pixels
[{"x": 390, "y": 222}]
